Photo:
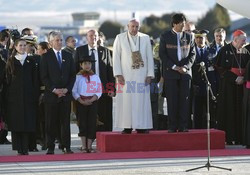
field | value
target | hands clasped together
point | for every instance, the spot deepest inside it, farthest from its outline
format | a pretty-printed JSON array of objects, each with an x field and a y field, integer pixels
[
  {"x": 181, "y": 70},
  {"x": 239, "y": 80},
  {"x": 60, "y": 92},
  {"x": 87, "y": 102}
]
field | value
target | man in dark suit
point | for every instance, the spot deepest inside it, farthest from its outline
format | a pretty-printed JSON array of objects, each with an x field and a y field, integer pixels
[
  {"x": 58, "y": 75},
  {"x": 206, "y": 55},
  {"x": 70, "y": 42},
  {"x": 103, "y": 68},
  {"x": 177, "y": 54},
  {"x": 219, "y": 39}
]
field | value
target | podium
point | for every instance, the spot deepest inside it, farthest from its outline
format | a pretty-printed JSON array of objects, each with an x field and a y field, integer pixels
[{"x": 159, "y": 141}]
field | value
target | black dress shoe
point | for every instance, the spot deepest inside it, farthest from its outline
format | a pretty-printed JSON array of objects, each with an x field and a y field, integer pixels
[
  {"x": 230, "y": 143},
  {"x": 34, "y": 150},
  {"x": 60, "y": 146},
  {"x": 247, "y": 146},
  {"x": 50, "y": 152},
  {"x": 68, "y": 151},
  {"x": 19, "y": 153},
  {"x": 142, "y": 131},
  {"x": 127, "y": 131},
  {"x": 91, "y": 150},
  {"x": 183, "y": 130},
  {"x": 7, "y": 142},
  {"x": 44, "y": 147},
  {"x": 172, "y": 130},
  {"x": 237, "y": 143},
  {"x": 25, "y": 153}
]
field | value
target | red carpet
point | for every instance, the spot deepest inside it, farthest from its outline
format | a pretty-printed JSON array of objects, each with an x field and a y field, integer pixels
[
  {"x": 159, "y": 141},
  {"x": 124, "y": 155}
]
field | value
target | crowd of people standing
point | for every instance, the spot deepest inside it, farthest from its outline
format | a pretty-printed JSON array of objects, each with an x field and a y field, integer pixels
[{"x": 41, "y": 84}]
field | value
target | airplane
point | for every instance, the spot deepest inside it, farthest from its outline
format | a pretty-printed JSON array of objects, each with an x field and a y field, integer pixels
[{"x": 239, "y": 6}]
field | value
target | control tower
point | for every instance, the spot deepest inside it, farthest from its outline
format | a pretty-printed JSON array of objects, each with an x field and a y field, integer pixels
[{"x": 87, "y": 19}]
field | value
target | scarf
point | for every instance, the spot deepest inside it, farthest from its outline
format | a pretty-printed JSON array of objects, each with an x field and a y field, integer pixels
[
  {"x": 21, "y": 57},
  {"x": 86, "y": 74}
]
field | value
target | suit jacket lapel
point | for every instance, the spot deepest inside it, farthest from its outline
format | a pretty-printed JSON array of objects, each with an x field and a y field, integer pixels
[
  {"x": 100, "y": 54},
  {"x": 86, "y": 51},
  {"x": 55, "y": 59},
  {"x": 63, "y": 60},
  {"x": 206, "y": 52},
  {"x": 198, "y": 54}
]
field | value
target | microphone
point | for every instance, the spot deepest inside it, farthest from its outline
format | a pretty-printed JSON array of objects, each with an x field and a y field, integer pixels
[{"x": 202, "y": 66}]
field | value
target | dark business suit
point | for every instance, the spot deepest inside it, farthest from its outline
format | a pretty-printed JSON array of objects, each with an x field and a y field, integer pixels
[
  {"x": 199, "y": 85},
  {"x": 57, "y": 110},
  {"x": 214, "y": 46},
  {"x": 107, "y": 79},
  {"x": 177, "y": 85}
]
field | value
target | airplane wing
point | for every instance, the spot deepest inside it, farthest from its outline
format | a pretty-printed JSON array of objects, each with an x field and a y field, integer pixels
[{"x": 239, "y": 6}]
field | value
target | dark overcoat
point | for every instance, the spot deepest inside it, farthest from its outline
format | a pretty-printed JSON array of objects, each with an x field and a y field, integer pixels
[
  {"x": 21, "y": 97},
  {"x": 229, "y": 109}
]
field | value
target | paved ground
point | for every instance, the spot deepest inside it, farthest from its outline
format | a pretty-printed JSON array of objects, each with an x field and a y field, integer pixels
[{"x": 239, "y": 165}]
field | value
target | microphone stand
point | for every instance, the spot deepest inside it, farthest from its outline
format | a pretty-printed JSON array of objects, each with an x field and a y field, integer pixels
[{"x": 208, "y": 165}]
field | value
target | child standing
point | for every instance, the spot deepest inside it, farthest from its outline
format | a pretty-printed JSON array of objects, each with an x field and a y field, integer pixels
[{"x": 87, "y": 90}]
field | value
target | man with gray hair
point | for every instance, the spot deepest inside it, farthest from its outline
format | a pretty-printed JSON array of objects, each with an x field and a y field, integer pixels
[
  {"x": 219, "y": 39},
  {"x": 57, "y": 72},
  {"x": 231, "y": 63},
  {"x": 133, "y": 69},
  {"x": 189, "y": 27}
]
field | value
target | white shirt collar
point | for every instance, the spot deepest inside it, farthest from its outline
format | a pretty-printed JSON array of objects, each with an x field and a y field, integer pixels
[
  {"x": 176, "y": 32},
  {"x": 57, "y": 51},
  {"x": 199, "y": 49},
  {"x": 218, "y": 46},
  {"x": 92, "y": 48},
  {"x": 203, "y": 48}
]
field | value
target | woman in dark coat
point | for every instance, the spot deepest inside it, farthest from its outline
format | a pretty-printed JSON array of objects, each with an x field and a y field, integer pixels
[{"x": 21, "y": 96}]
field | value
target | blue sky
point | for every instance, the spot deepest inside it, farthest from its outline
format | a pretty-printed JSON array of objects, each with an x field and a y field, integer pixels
[
  {"x": 96, "y": 5},
  {"x": 58, "y": 12}
]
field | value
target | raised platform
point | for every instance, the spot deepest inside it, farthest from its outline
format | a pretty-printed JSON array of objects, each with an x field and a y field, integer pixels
[{"x": 159, "y": 141}]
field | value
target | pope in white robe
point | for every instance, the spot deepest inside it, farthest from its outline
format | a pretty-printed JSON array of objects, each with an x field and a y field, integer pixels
[{"x": 133, "y": 105}]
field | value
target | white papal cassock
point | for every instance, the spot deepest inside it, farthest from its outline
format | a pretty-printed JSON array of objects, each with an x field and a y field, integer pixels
[{"x": 133, "y": 106}]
